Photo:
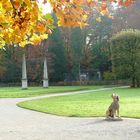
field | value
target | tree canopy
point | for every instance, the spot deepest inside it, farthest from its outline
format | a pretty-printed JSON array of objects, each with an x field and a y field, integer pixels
[
  {"x": 126, "y": 55},
  {"x": 22, "y": 21}
]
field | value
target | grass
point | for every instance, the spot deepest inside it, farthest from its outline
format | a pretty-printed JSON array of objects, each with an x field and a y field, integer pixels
[
  {"x": 89, "y": 104},
  {"x": 16, "y": 92}
]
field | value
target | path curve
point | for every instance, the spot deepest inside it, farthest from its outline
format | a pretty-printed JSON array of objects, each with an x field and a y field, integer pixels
[{"x": 21, "y": 124}]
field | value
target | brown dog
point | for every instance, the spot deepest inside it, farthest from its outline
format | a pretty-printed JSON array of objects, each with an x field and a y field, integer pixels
[{"x": 114, "y": 107}]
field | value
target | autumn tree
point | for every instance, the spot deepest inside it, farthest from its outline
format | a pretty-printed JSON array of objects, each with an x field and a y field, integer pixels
[
  {"x": 126, "y": 55},
  {"x": 35, "y": 57},
  {"x": 92, "y": 45},
  {"x": 125, "y": 18},
  {"x": 21, "y": 21}
]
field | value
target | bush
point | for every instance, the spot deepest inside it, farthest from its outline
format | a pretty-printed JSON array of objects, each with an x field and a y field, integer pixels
[
  {"x": 125, "y": 51},
  {"x": 109, "y": 75}
]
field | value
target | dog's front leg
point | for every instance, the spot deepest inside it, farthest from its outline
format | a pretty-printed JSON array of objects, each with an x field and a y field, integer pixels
[
  {"x": 113, "y": 113},
  {"x": 118, "y": 113},
  {"x": 107, "y": 113}
]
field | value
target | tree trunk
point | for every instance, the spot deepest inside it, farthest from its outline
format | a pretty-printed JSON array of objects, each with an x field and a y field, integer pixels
[
  {"x": 138, "y": 82},
  {"x": 24, "y": 73},
  {"x": 45, "y": 76},
  {"x": 133, "y": 82}
]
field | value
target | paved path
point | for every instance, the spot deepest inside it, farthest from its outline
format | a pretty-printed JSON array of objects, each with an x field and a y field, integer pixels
[{"x": 21, "y": 124}]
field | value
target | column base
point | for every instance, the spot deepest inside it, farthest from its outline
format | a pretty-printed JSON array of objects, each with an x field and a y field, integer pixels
[
  {"x": 24, "y": 84},
  {"x": 45, "y": 83}
]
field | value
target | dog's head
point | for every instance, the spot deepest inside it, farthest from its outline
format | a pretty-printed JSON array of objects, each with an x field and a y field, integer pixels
[{"x": 115, "y": 97}]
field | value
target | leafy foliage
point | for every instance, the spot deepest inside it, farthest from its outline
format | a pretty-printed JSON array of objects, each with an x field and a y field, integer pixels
[
  {"x": 56, "y": 47},
  {"x": 75, "y": 12},
  {"x": 126, "y": 18},
  {"x": 22, "y": 22},
  {"x": 10, "y": 67},
  {"x": 126, "y": 55}
]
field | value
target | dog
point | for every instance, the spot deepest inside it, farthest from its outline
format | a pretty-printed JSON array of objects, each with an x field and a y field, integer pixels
[{"x": 114, "y": 107}]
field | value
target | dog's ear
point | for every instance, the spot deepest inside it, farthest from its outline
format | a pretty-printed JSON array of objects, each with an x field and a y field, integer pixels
[{"x": 113, "y": 95}]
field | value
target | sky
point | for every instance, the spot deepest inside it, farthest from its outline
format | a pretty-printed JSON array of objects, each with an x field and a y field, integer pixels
[{"x": 46, "y": 7}]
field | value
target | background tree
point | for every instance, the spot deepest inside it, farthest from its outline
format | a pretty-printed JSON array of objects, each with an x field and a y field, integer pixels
[
  {"x": 95, "y": 48},
  {"x": 56, "y": 48},
  {"x": 66, "y": 34},
  {"x": 102, "y": 31},
  {"x": 11, "y": 62},
  {"x": 126, "y": 55},
  {"x": 126, "y": 18},
  {"x": 77, "y": 41},
  {"x": 2, "y": 65}
]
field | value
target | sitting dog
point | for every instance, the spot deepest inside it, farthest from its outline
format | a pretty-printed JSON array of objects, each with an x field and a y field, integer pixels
[{"x": 114, "y": 107}]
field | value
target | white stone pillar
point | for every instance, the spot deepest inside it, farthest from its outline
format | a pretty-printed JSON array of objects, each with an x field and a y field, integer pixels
[
  {"x": 24, "y": 73},
  {"x": 45, "y": 76},
  {"x": 99, "y": 75}
]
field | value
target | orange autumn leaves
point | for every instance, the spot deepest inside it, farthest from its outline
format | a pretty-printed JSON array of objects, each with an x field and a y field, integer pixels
[
  {"x": 122, "y": 2},
  {"x": 103, "y": 8},
  {"x": 21, "y": 21},
  {"x": 125, "y": 2},
  {"x": 75, "y": 12},
  {"x": 69, "y": 12}
]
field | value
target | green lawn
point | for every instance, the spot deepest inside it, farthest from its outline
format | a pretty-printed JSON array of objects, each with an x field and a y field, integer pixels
[
  {"x": 14, "y": 92},
  {"x": 88, "y": 104}
]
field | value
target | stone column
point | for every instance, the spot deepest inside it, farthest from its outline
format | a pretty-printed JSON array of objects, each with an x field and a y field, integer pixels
[
  {"x": 24, "y": 73},
  {"x": 99, "y": 75},
  {"x": 45, "y": 76}
]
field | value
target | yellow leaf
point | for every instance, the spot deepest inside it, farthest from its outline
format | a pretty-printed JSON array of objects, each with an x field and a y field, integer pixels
[
  {"x": 22, "y": 44},
  {"x": 44, "y": 36},
  {"x": 98, "y": 19}
]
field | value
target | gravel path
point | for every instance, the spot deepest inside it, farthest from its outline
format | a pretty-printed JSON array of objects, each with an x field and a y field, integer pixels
[{"x": 21, "y": 124}]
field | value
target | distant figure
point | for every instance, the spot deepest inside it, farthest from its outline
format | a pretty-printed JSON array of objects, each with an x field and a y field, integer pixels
[{"x": 114, "y": 107}]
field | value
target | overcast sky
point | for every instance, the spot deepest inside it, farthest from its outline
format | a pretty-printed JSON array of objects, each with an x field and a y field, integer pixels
[{"x": 46, "y": 7}]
